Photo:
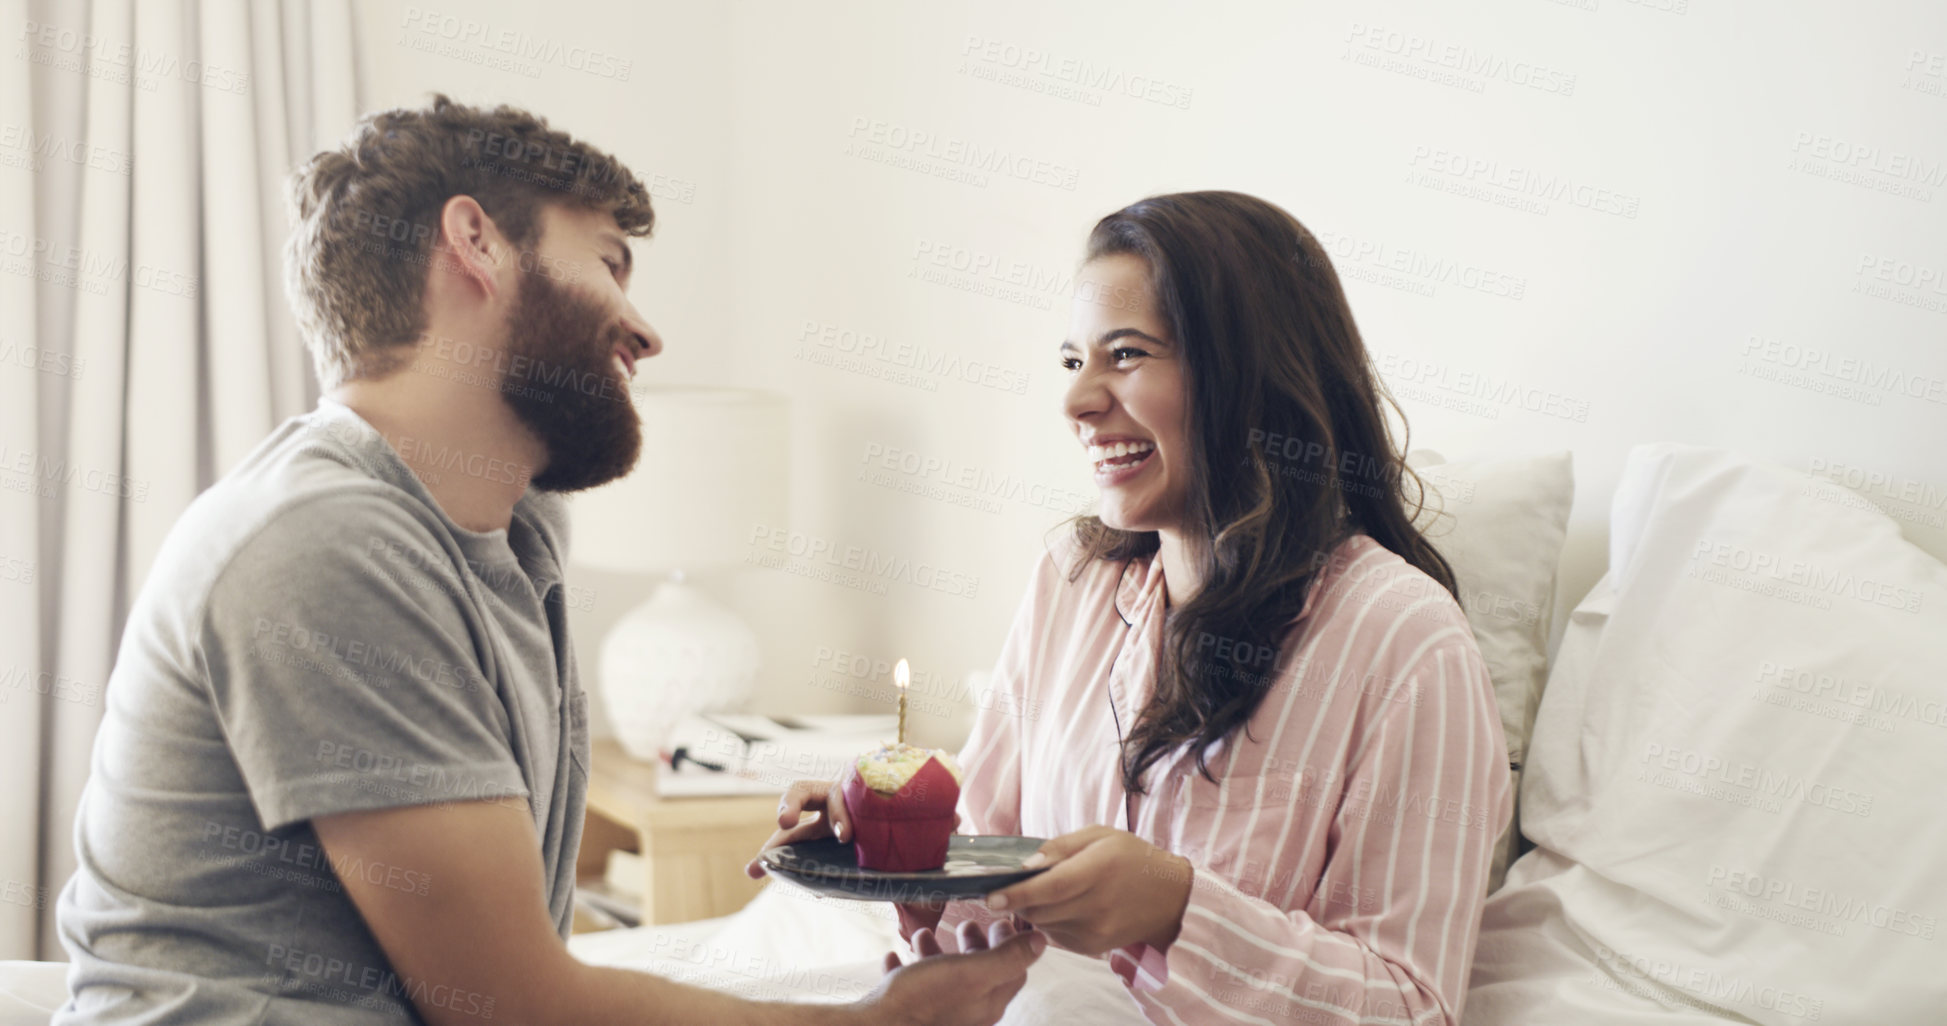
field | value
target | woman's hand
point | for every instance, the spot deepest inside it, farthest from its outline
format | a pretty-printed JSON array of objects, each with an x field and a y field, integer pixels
[
  {"x": 821, "y": 796},
  {"x": 824, "y": 797},
  {"x": 1107, "y": 889}
]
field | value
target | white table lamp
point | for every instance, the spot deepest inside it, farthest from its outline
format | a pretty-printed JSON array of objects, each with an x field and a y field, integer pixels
[{"x": 715, "y": 464}]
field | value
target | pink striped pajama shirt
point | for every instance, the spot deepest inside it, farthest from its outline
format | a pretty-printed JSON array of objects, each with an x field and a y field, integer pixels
[{"x": 1342, "y": 853}]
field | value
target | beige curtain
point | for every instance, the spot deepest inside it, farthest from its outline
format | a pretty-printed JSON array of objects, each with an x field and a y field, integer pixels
[{"x": 145, "y": 345}]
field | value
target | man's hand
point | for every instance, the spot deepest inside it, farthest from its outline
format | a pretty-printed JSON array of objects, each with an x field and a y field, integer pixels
[
  {"x": 970, "y": 989},
  {"x": 927, "y": 943},
  {"x": 922, "y": 932},
  {"x": 1107, "y": 889}
]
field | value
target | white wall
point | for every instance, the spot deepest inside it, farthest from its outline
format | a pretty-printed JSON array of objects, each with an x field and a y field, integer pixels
[{"x": 1731, "y": 170}]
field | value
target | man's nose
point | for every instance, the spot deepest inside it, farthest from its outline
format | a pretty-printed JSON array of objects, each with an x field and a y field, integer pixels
[{"x": 651, "y": 342}]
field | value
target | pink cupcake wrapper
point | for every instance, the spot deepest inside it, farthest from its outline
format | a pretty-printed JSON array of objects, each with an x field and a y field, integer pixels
[{"x": 907, "y": 831}]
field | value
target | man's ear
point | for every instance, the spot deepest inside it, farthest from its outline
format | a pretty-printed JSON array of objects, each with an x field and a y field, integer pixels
[{"x": 470, "y": 239}]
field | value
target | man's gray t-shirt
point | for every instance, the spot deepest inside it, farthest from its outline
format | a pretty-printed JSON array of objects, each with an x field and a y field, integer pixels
[{"x": 316, "y": 636}]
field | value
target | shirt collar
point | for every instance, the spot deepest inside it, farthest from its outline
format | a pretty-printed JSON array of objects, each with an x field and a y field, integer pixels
[{"x": 1142, "y": 583}]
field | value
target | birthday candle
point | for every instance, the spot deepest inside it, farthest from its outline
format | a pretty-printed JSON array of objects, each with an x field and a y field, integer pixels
[{"x": 902, "y": 677}]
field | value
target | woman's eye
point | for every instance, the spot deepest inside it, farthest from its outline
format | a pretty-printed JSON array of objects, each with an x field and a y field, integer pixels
[
  {"x": 1070, "y": 363},
  {"x": 1125, "y": 352}
]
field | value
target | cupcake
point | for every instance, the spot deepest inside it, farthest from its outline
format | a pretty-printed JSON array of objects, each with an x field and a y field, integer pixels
[{"x": 901, "y": 802}]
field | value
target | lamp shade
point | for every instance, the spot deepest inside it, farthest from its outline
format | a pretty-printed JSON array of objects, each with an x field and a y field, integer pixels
[{"x": 715, "y": 464}]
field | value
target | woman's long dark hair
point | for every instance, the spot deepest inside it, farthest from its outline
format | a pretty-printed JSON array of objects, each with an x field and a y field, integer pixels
[{"x": 1290, "y": 452}]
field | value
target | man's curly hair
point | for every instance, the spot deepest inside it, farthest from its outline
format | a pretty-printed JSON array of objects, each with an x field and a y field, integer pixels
[{"x": 366, "y": 218}]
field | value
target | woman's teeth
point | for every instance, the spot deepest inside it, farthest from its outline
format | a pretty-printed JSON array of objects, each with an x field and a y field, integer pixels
[{"x": 1119, "y": 454}]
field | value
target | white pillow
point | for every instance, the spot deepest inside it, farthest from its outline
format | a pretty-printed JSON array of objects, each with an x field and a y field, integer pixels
[
  {"x": 1734, "y": 776},
  {"x": 1500, "y": 525}
]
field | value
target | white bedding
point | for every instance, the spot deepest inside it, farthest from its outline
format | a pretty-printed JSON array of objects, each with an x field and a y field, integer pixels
[
  {"x": 786, "y": 945},
  {"x": 31, "y": 991},
  {"x": 1734, "y": 776},
  {"x": 791, "y": 945}
]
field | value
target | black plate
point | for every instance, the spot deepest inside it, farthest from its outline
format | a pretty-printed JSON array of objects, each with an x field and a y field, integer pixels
[{"x": 975, "y": 865}]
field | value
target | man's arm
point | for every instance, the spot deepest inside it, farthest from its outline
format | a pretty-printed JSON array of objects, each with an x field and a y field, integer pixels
[{"x": 482, "y": 929}]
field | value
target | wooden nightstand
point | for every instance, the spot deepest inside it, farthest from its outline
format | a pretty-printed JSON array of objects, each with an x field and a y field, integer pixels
[{"x": 693, "y": 849}]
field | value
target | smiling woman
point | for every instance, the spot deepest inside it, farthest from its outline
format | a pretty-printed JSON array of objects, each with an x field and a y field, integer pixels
[
  {"x": 1222, "y": 322},
  {"x": 1238, "y": 821},
  {"x": 1247, "y": 824}
]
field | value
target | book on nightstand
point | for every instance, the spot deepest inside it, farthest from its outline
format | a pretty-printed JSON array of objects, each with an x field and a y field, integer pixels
[{"x": 732, "y": 754}]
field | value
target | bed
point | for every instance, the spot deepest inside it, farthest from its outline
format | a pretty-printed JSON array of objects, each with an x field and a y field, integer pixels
[
  {"x": 787, "y": 944},
  {"x": 1718, "y": 808}
]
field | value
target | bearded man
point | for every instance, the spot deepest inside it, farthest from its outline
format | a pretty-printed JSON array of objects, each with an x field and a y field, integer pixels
[{"x": 343, "y": 767}]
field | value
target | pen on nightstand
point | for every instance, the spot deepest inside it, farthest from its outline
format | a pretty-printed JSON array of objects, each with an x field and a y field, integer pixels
[{"x": 681, "y": 755}]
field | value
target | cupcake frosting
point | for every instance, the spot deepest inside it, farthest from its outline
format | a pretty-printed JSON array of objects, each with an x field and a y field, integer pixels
[{"x": 889, "y": 767}]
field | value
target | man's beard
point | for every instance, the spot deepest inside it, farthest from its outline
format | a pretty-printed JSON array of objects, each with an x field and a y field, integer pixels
[{"x": 567, "y": 390}]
